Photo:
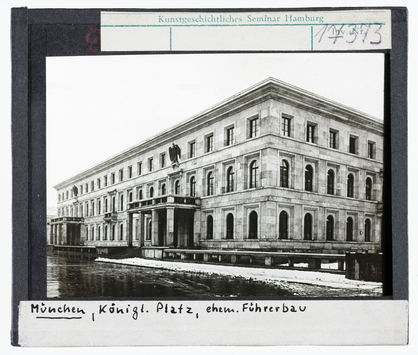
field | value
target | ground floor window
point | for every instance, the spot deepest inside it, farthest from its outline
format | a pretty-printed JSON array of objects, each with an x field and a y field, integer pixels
[
  {"x": 230, "y": 226},
  {"x": 307, "y": 229},
  {"x": 367, "y": 230},
  {"x": 283, "y": 225},
  {"x": 253, "y": 228},
  {"x": 209, "y": 227},
  {"x": 121, "y": 232},
  {"x": 349, "y": 229}
]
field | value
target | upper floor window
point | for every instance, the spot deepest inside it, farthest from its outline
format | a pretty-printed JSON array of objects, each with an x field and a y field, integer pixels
[
  {"x": 286, "y": 127},
  {"x": 284, "y": 174},
  {"x": 352, "y": 147},
  {"x": 130, "y": 196},
  {"x": 230, "y": 179},
  {"x": 253, "y": 174},
  {"x": 150, "y": 164},
  {"x": 308, "y": 178},
  {"x": 87, "y": 189},
  {"x": 368, "y": 188},
  {"x": 121, "y": 175},
  {"x": 139, "y": 168},
  {"x": 140, "y": 194},
  {"x": 310, "y": 133},
  {"x": 192, "y": 186},
  {"x": 112, "y": 178},
  {"x": 98, "y": 183},
  {"x": 129, "y": 171},
  {"x": 162, "y": 160},
  {"x": 192, "y": 149},
  {"x": 92, "y": 186},
  {"x": 151, "y": 192},
  {"x": 210, "y": 182},
  {"x": 371, "y": 150},
  {"x": 333, "y": 139},
  {"x": 163, "y": 190},
  {"x": 330, "y": 228},
  {"x": 177, "y": 187},
  {"x": 121, "y": 201},
  {"x": 350, "y": 185},
  {"x": 230, "y": 139},
  {"x": 330, "y": 182},
  {"x": 254, "y": 127},
  {"x": 105, "y": 181},
  {"x": 209, "y": 143}
]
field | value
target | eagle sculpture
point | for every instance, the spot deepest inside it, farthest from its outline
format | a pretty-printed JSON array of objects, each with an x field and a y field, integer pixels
[{"x": 175, "y": 154}]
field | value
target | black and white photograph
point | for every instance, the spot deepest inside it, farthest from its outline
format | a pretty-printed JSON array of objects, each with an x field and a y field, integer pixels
[{"x": 215, "y": 175}]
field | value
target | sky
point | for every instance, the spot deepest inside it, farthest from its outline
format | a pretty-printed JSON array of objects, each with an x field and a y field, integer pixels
[{"x": 98, "y": 106}]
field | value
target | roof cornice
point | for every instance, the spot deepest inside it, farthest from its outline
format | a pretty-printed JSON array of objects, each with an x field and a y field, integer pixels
[{"x": 269, "y": 88}]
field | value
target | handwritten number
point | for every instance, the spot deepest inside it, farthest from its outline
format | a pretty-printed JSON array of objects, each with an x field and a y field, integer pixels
[
  {"x": 323, "y": 29},
  {"x": 92, "y": 41},
  {"x": 338, "y": 33},
  {"x": 353, "y": 32},
  {"x": 367, "y": 32},
  {"x": 380, "y": 36}
]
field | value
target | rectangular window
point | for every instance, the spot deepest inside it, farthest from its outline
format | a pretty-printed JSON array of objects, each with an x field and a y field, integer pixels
[
  {"x": 129, "y": 171},
  {"x": 310, "y": 133},
  {"x": 87, "y": 189},
  {"x": 352, "y": 145},
  {"x": 98, "y": 183},
  {"x": 150, "y": 164},
  {"x": 81, "y": 189},
  {"x": 286, "y": 126},
  {"x": 370, "y": 150},
  {"x": 162, "y": 160},
  {"x": 112, "y": 178},
  {"x": 229, "y": 136},
  {"x": 105, "y": 181},
  {"x": 209, "y": 143},
  {"x": 254, "y": 127},
  {"x": 332, "y": 139},
  {"x": 192, "y": 149},
  {"x": 120, "y": 175},
  {"x": 139, "y": 167},
  {"x": 92, "y": 186}
]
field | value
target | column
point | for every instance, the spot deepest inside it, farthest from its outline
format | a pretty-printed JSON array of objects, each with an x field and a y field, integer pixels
[
  {"x": 170, "y": 226},
  {"x": 64, "y": 234},
  {"x": 140, "y": 229},
  {"x": 196, "y": 228},
  {"x": 154, "y": 230},
  {"x": 129, "y": 229}
]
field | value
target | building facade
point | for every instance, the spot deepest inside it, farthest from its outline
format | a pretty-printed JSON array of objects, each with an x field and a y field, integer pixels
[{"x": 273, "y": 167}]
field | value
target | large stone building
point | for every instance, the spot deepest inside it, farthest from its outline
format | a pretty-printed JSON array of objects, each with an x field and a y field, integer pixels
[{"x": 274, "y": 167}]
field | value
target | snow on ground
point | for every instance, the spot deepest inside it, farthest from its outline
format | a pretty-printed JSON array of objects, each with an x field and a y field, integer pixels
[{"x": 268, "y": 275}]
